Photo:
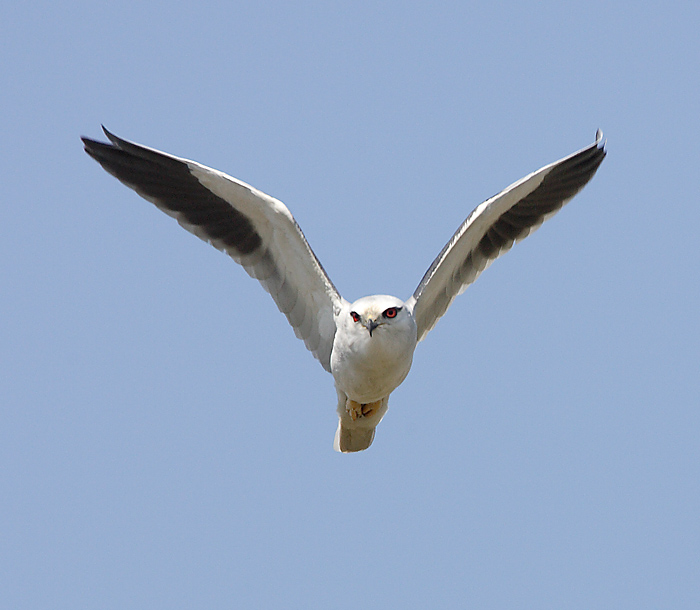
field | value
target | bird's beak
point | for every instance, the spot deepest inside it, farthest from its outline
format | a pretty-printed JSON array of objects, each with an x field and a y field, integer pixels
[{"x": 371, "y": 325}]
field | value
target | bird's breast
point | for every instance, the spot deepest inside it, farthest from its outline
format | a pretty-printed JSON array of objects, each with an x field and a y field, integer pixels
[{"x": 368, "y": 368}]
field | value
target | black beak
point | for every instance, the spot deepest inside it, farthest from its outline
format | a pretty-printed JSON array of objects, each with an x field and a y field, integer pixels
[{"x": 371, "y": 325}]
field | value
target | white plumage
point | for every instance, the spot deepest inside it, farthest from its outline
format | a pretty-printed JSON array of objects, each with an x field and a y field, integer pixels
[{"x": 367, "y": 345}]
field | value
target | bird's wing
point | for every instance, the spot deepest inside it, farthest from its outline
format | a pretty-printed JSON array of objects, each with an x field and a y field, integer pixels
[
  {"x": 495, "y": 225},
  {"x": 253, "y": 228}
]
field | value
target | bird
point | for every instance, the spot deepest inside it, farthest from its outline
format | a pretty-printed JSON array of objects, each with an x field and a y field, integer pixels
[{"x": 366, "y": 345}]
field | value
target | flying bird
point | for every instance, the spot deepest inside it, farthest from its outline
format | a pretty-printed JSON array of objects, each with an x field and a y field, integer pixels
[{"x": 367, "y": 345}]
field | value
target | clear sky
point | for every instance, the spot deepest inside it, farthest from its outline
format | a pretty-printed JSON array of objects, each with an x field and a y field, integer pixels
[{"x": 166, "y": 441}]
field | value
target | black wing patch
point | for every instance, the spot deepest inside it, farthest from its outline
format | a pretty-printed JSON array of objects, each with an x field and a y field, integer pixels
[
  {"x": 558, "y": 186},
  {"x": 169, "y": 184}
]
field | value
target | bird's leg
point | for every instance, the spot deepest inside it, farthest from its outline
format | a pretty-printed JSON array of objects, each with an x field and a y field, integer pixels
[
  {"x": 356, "y": 409},
  {"x": 368, "y": 409}
]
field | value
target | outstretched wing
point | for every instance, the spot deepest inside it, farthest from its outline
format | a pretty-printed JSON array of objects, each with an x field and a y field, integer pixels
[
  {"x": 495, "y": 225},
  {"x": 253, "y": 228}
]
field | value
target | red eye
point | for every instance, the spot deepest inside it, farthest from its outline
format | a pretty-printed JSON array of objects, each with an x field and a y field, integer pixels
[
  {"x": 391, "y": 312},
  {"x": 355, "y": 316}
]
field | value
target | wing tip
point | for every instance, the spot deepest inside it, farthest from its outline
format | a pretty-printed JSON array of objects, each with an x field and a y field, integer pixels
[
  {"x": 599, "y": 142},
  {"x": 114, "y": 141},
  {"x": 111, "y": 137},
  {"x": 91, "y": 145}
]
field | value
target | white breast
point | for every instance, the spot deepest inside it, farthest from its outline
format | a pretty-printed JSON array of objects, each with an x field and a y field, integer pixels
[{"x": 368, "y": 368}]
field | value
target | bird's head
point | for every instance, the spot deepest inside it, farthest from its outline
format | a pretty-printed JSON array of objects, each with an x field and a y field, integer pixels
[{"x": 380, "y": 314}]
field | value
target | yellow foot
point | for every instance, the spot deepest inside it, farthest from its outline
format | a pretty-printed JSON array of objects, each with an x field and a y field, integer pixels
[
  {"x": 356, "y": 410},
  {"x": 368, "y": 410}
]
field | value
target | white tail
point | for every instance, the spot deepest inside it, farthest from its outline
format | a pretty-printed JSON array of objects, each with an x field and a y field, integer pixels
[{"x": 350, "y": 439}]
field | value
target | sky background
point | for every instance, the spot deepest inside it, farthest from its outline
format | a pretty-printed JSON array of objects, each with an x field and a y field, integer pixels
[{"x": 166, "y": 441}]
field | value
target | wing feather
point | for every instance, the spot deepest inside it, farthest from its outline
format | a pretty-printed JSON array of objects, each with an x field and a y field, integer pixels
[
  {"x": 495, "y": 225},
  {"x": 254, "y": 229}
]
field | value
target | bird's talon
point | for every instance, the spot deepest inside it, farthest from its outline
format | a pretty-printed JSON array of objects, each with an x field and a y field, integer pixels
[{"x": 354, "y": 409}]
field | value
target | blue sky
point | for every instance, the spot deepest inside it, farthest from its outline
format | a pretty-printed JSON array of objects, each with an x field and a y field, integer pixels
[{"x": 166, "y": 441}]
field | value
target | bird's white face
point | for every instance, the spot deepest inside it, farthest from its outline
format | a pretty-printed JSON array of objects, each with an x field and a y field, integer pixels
[{"x": 379, "y": 316}]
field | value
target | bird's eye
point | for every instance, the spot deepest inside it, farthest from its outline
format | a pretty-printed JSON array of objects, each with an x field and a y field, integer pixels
[
  {"x": 355, "y": 316},
  {"x": 391, "y": 312}
]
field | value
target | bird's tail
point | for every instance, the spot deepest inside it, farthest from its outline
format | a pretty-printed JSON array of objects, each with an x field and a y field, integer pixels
[{"x": 349, "y": 439}]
